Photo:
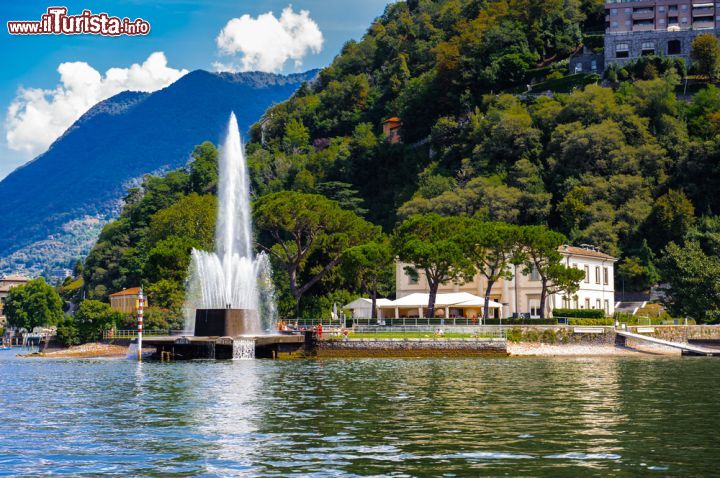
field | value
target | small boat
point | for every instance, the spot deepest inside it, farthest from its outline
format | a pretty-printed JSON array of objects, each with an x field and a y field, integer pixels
[{"x": 5, "y": 347}]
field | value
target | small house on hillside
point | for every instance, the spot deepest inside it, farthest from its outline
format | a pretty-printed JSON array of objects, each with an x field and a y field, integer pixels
[
  {"x": 391, "y": 130},
  {"x": 125, "y": 301}
]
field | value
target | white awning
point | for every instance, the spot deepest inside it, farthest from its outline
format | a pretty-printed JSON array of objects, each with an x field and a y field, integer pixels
[{"x": 453, "y": 299}]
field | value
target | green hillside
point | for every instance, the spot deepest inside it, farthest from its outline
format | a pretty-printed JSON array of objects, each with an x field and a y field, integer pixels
[{"x": 628, "y": 167}]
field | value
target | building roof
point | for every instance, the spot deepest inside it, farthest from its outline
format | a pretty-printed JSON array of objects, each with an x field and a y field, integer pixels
[
  {"x": 364, "y": 303},
  {"x": 459, "y": 299},
  {"x": 130, "y": 291},
  {"x": 584, "y": 251},
  {"x": 14, "y": 278},
  {"x": 394, "y": 119}
]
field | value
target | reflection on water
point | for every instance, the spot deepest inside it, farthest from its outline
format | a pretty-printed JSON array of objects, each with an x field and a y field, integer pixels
[{"x": 551, "y": 417}]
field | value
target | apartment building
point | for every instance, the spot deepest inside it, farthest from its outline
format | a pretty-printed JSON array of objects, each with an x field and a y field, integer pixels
[{"x": 634, "y": 28}]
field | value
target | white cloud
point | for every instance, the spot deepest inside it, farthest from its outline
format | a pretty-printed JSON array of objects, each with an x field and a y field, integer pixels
[
  {"x": 36, "y": 117},
  {"x": 265, "y": 43}
]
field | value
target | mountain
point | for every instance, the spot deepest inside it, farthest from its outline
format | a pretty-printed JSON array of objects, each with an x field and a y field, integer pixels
[{"x": 54, "y": 206}]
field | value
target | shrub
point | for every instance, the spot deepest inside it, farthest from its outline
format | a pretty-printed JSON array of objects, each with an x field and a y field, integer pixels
[
  {"x": 514, "y": 334},
  {"x": 580, "y": 313},
  {"x": 548, "y": 336},
  {"x": 603, "y": 321},
  {"x": 67, "y": 332},
  {"x": 521, "y": 321}
]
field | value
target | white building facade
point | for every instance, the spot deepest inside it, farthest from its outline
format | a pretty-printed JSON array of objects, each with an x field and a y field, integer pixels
[{"x": 520, "y": 295}]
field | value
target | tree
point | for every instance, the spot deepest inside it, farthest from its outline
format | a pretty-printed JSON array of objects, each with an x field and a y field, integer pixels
[
  {"x": 705, "y": 54},
  {"x": 491, "y": 247},
  {"x": 92, "y": 318},
  {"x": 204, "y": 168},
  {"x": 371, "y": 265},
  {"x": 672, "y": 216},
  {"x": 191, "y": 218},
  {"x": 34, "y": 304},
  {"x": 539, "y": 251},
  {"x": 433, "y": 244},
  {"x": 295, "y": 227},
  {"x": 693, "y": 279}
]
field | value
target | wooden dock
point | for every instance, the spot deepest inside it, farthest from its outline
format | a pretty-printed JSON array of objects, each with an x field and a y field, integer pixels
[{"x": 686, "y": 348}]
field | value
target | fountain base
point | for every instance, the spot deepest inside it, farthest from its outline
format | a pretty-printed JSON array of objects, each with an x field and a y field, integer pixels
[
  {"x": 225, "y": 348},
  {"x": 225, "y": 322}
]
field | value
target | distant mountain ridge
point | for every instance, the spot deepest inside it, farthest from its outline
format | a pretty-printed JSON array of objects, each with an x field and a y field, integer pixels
[{"x": 53, "y": 207}]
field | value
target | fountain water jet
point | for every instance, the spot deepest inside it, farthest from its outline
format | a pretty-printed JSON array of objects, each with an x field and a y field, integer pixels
[{"x": 227, "y": 288}]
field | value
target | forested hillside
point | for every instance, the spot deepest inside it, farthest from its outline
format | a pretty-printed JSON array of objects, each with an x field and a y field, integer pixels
[{"x": 628, "y": 166}]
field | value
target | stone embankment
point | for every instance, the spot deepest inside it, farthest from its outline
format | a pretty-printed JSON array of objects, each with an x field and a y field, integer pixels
[{"x": 433, "y": 347}]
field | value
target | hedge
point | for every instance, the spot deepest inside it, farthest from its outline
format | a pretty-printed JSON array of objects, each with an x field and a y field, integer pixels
[
  {"x": 580, "y": 313},
  {"x": 591, "y": 321},
  {"x": 521, "y": 321}
]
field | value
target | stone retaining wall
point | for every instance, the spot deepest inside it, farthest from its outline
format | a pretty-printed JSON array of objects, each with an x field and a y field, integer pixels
[
  {"x": 679, "y": 333},
  {"x": 411, "y": 348}
]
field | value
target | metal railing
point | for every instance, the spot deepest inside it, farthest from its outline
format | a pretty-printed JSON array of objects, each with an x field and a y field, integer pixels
[
  {"x": 487, "y": 331},
  {"x": 132, "y": 334}
]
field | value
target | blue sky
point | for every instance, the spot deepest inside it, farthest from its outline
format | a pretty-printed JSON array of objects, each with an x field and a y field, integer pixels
[{"x": 185, "y": 30}]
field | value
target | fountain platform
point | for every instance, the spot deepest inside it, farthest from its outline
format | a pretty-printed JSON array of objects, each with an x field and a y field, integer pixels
[{"x": 186, "y": 347}]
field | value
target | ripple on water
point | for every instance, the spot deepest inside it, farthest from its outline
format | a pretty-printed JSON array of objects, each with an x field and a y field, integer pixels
[{"x": 386, "y": 417}]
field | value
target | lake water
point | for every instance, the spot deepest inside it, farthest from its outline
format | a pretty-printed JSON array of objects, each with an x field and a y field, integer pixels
[{"x": 398, "y": 417}]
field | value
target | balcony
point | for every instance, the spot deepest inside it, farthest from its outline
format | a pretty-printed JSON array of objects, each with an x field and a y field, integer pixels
[
  {"x": 703, "y": 12},
  {"x": 642, "y": 27},
  {"x": 644, "y": 15},
  {"x": 703, "y": 24}
]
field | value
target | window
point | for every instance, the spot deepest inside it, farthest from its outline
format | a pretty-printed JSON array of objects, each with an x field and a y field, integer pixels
[
  {"x": 613, "y": 11},
  {"x": 587, "y": 303},
  {"x": 534, "y": 274},
  {"x": 575, "y": 303},
  {"x": 593, "y": 65},
  {"x": 534, "y": 308},
  {"x": 647, "y": 48},
  {"x": 622, "y": 50},
  {"x": 597, "y": 274},
  {"x": 613, "y": 24},
  {"x": 661, "y": 8},
  {"x": 597, "y": 303},
  {"x": 607, "y": 306},
  {"x": 606, "y": 275},
  {"x": 683, "y": 20},
  {"x": 661, "y": 21},
  {"x": 587, "y": 274},
  {"x": 412, "y": 280},
  {"x": 673, "y": 47}
]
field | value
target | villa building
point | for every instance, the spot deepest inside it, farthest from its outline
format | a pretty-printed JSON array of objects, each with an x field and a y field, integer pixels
[
  {"x": 391, "y": 130},
  {"x": 520, "y": 295},
  {"x": 125, "y": 301},
  {"x": 7, "y": 283},
  {"x": 634, "y": 28}
]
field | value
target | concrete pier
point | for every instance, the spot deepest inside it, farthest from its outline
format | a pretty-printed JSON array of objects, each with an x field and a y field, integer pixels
[{"x": 221, "y": 348}]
